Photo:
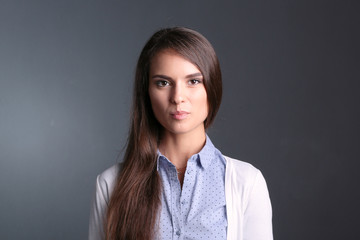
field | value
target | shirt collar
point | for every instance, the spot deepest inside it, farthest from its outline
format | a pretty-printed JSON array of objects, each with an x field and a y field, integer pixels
[
  {"x": 207, "y": 153},
  {"x": 205, "y": 156}
]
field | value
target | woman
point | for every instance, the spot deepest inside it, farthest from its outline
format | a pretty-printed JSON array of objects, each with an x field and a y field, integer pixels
[{"x": 173, "y": 183}]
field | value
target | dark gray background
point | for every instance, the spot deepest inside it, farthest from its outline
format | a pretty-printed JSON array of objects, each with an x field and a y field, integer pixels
[{"x": 290, "y": 106}]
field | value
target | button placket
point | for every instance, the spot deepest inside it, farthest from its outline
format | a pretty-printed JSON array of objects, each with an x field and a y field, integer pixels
[
  {"x": 179, "y": 220},
  {"x": 175, "y": 196},
  {"x": 186, "y": 192}
]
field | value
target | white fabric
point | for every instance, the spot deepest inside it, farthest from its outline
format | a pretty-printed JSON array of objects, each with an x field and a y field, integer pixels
[{"x": 248, "y": 204}]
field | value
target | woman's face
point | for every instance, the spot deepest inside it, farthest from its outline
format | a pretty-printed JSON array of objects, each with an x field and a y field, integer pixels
[{"x": 177, "y": 93}]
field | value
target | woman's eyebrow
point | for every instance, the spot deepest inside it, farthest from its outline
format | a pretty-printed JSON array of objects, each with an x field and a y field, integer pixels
[
  {"x": 194, "y": 75},
  {"x": 162, "y": 76}
]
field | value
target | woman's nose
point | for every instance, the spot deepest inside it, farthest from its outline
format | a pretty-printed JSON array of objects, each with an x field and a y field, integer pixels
[{"x": 177, "y": 94}]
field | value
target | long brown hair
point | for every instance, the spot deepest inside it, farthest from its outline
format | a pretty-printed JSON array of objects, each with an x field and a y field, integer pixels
[{"x": 135, "y": 201}]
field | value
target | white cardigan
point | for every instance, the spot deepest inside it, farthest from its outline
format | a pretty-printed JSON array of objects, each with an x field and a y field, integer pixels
[{"x": 248, "y": 206}]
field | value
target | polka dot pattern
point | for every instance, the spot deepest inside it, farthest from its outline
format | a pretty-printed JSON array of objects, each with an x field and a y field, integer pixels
[{"x": 198, "y": 210}]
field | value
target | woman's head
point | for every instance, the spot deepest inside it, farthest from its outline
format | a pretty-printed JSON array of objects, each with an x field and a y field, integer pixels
[{"x": 191, "y": 46}]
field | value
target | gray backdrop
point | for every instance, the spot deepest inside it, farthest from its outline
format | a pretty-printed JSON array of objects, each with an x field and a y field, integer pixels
[{"x": 290, "y": 106}]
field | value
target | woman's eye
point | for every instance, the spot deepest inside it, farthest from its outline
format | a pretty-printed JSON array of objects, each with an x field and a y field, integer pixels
[
  {"x": 194, "y": 81},
  {"x": 162, "y": 83}
]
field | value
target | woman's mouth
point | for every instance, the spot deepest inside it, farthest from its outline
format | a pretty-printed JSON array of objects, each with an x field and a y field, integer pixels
[{"x": 179, "y": 115}]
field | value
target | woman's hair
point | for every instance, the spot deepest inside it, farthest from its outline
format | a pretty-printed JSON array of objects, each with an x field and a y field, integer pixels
[{"x": 135, "y": 201}]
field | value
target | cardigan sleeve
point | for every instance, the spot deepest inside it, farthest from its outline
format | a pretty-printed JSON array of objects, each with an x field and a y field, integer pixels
[
  {"x": 104, "y": 186},
  {"x": 97, "y": 214},
  {"x": 258, "y": 212}
]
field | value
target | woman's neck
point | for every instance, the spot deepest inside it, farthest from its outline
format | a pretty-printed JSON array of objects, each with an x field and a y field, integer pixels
[{"x": 178, "y": 148}]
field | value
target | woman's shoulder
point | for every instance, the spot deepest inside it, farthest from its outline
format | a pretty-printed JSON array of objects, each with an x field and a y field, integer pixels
[
  {"x": 242, "y": 171},
  {"x": 106, "y": 180},
  {"x": 111, "y": 173},
  {"x": 240, "y": 165}
]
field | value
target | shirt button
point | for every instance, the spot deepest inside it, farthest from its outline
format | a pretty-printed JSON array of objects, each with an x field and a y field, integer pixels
[
  {"x": 183, "y": 202},
  {"x": 178, "y": 232}
]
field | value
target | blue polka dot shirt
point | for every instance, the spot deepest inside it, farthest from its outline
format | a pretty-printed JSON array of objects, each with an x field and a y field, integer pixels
[{"x": 198, "y": 210}]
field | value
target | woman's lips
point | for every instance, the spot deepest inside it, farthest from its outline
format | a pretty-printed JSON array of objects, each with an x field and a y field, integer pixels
[{"x": 179, "y": 115}]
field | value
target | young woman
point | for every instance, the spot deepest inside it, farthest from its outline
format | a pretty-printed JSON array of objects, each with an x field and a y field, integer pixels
[{"x": 173, "y": 183}]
